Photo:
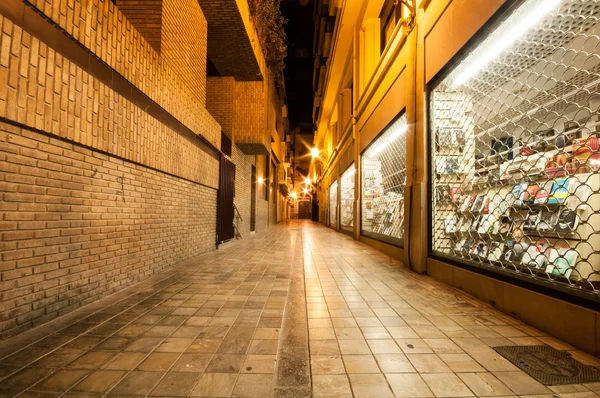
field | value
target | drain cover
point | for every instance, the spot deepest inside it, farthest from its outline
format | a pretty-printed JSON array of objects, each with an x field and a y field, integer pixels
[{"x": 548, "y": 365}]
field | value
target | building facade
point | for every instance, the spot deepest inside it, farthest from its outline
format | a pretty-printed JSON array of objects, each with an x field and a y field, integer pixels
[
  {"x": 461, "y": 137},
  {"x": 115, "y": 122}
]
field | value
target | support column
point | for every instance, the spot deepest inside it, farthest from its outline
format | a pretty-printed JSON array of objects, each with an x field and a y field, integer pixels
[
  {"x": 371, "y": 49},
  {"x": 345, "y": 108}
]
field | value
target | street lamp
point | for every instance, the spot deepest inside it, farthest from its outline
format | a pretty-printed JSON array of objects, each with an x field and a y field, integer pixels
[{"x": 314, "y": 152}]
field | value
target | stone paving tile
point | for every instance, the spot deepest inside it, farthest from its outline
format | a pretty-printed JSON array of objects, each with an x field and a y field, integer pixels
[{"x": 297, "y": 304}]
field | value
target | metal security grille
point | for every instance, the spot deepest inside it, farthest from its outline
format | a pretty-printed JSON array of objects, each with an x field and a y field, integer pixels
[
  {"x": 333, "y": 204},
  {"x": 516, "y": 138},
  {"x": 383, "y": 172},
  {"x": 347, "y": 198}
]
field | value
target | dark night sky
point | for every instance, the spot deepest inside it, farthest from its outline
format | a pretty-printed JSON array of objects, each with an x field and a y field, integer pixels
[{"x": 299, "y": 61}]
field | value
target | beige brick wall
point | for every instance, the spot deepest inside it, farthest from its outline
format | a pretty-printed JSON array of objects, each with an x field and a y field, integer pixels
[
  {"x": 42, "y": 89},
  {"x": 250, "y": 123},
  {"x": 220, "y": 101},
  {"x": 102, "y": 194},
  {"x": 78, "y": 224},
  {"x": 146, "y": 17},
  {"x": 103, "y": 29},
  {"x": 183, "y": 43}
]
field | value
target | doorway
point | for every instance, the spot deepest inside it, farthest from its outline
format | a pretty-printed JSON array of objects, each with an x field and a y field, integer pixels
[
  {"x": 225, "y": 209},
  {"x": 253, "y": 200}
]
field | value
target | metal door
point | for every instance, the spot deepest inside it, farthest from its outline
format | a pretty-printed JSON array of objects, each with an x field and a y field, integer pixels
[{"x": 225, "y": 211}]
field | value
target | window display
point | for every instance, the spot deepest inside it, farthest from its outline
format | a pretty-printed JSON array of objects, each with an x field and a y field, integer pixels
[
  {"x": 347, "y": 199},
  {"x": 333, "y": 205},
  {"x": 383, "y": 181},
  {"x": 515, "y": 148}
]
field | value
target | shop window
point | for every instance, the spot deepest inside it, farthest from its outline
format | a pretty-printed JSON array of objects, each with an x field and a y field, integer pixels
[
  {"x": 347, "y": 198},
  {"x": 390, "y": 15},
  {"x": 383, "y": 172},
  {"x": 333, "y": 204},
  {"x": 515, "y": 141}
]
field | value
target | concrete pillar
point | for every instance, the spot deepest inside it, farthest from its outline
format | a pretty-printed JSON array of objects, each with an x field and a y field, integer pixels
[
  {"x": 371, "y": 48},
  {"x": 345, "y": 108}
]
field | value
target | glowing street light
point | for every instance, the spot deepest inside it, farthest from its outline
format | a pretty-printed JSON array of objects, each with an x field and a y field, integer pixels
[
  {"x": 293, "y": 195},
  {"x": 305, "y": 191},
  {"x": 260, "y": 180},
  {"x": 314, "y": 152},
  {"x": 307, "y": 181}
]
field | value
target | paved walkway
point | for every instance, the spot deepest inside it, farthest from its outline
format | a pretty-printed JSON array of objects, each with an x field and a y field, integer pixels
[{"x": 297, "y": 310}]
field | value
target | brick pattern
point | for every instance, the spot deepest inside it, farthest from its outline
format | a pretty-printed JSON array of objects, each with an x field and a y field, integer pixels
[
  {"x": 220, "y": 101},
  {"x": 244, "y": 111},
  {"x": 229, "y": 26},
  {"x": 42, "y": 89},
  {"x": 146, "y": 17},
  {"x": 183, "y": 43},
  {"x": 103, "y": 29},
  {"x": 250, "y": 120},
  {"x": 78, "y": 224}
]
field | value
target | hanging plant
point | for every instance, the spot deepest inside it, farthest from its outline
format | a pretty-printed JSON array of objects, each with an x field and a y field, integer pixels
[{"x": 269, "y": 26}]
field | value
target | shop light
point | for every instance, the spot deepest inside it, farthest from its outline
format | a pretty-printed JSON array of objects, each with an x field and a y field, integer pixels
[
  {"x": 504, "y": 38},
  {"x": 393, "y": 136},
  {"x": 293, "y": 195},
  {"x": 307, "y": 181},
  {"x": 260, "y": 180},
  {"x": 314, "y": 152}
]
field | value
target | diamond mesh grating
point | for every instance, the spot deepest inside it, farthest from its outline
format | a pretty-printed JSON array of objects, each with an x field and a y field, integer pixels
[
  {"x": 383, "y": 181},
  {"x": 516, "y": 159}
]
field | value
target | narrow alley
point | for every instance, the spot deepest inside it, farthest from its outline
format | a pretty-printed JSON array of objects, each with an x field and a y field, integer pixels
[{"x": 297, "y": 310}]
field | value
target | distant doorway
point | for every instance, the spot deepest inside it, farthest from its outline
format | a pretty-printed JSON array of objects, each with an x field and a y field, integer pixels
[{"x": 304, "y": 210}]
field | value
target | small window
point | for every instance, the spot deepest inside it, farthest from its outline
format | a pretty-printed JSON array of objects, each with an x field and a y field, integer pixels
[{"x": 391, "y": 13}]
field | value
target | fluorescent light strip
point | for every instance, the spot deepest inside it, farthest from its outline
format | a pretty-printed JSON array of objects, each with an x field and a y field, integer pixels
[
  {"x": 503, "y": 40},
  {"x": 393, "y": 136}
]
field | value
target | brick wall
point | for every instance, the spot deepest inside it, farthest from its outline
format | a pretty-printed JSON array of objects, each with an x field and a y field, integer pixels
[
  {"x": 78, "y": 224},
  {"x": 103, "y": 29},
  {"x": 183, "y": 43},
  {"x": 230, "y": 27},
  {"x": 101, "y": 194},
  {"x": 250, "y": 123},
  {"x": 220, "y": 101},
  {"x": 146, "y": 17},
  {"x": 42, "y": 89}
]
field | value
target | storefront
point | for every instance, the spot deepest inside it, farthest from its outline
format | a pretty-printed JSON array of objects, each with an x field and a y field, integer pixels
[
  {"x": 383, "y": 179},
  {"x": 333, "y": 204},
  {"x": 347, "y": 198},
  {"x": 515, "y": 137}
]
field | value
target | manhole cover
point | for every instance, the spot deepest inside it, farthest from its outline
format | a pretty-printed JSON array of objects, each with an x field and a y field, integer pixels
[{"x": 548, "y": 365}]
